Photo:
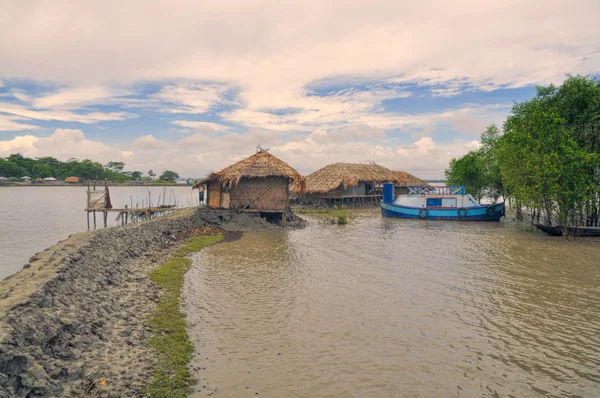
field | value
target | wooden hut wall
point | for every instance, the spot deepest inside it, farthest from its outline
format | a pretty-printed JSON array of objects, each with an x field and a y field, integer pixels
[
  {"x": 358, "y": 190},
  {"x": 248, "y": 189},
  {"x": 333, "y": 194}
]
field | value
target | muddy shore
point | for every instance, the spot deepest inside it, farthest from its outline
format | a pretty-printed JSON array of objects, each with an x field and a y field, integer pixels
[{"x": 73, "y": 319}]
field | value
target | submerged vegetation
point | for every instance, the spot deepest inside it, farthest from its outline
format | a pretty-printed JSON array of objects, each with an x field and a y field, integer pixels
[
  {"x": 337, "y": 215},
  {"x": 546, "y": 159},
  {"x": 171, "y": 343}
]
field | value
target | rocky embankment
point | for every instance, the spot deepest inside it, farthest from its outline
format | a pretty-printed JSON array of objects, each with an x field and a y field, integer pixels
[{"x": 72, "y": 322}]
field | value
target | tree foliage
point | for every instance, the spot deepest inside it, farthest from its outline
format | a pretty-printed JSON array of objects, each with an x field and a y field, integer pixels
[
  {"x": 548, "y": 157},
  {"x": 16, "y": 166},
  {"x": 169, "y": 175}
]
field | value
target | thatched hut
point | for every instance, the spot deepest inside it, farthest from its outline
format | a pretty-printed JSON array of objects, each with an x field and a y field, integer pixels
[
  {"x": 260, "y": 183},
  {"x": 408, "y": 180},
  {"x": 354, "y": 180},
  {"x": 72, "y": 180}
]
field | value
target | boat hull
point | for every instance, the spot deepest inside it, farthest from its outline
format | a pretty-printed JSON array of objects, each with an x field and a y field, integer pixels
[
  {"x": 573, "y": 231},
  {"x": 479, "y": 213}
]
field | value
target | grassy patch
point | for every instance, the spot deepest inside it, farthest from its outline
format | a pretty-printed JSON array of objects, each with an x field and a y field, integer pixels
[
  {"x": 197, "y": 243},
  {"x": 171, "y": 343}
]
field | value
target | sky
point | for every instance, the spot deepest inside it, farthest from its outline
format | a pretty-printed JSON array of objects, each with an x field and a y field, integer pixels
[{"x": 193, "y": 86}]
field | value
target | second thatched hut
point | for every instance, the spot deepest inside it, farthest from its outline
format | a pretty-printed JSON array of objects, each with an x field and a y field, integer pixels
[
  {"x": 349, "y": 182},
  {"x": 260, "y": 183}
]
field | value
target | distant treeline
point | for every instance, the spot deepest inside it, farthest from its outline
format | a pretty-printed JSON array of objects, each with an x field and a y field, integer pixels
[
  {"x": 546, "y": 158},
  {"x": 16, "y": 166}
]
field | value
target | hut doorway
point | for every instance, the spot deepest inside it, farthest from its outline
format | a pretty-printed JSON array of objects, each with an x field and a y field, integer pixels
[{"x": 214, "y": 195}]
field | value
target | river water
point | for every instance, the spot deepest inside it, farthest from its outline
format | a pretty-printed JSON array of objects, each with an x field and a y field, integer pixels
[
  {"x": 34, "y": 218},
  {"x": 396, "y": 308}
]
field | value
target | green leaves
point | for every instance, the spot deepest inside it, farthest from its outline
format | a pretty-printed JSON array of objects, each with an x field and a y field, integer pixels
[
  {"x": 548, "y": 157},
  {"x": 18, "y": 166}
]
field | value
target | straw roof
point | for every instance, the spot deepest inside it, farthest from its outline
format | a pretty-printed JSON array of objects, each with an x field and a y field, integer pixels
[
  {"x": 409, "y": 180},
  {"x": 261, "y": 164},
  {"x": 72, "y": 180},
  {"x": 348, "y": 175}
]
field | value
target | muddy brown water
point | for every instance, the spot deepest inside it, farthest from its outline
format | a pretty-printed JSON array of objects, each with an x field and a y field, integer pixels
[
  {"x": 36, "y": 217},
  {"x": 396, "y": 308}
]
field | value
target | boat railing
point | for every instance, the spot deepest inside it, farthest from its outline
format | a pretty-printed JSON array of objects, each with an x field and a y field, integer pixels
[{"x": 446, "y": 190}]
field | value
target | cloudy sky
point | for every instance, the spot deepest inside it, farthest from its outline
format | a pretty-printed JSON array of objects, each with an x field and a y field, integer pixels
[{"x": 195, "y": 85}]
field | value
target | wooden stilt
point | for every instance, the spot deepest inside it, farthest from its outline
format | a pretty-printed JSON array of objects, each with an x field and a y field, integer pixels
[
  {"x": 105, "y": 214},
  {"x": 88, "y": 219},
  {"x": 126, "y": 215},
  {"x": 94, "y": 219}
]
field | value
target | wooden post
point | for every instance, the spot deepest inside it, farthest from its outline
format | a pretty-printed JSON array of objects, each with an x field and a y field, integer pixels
[
  {"x": 94, "y": 219},
  {"x": 88, "y": 218},
  {"x": 105, "y": 214},
  {"x": 283, "y": 218},
  {"x": 126, "y": 215}
]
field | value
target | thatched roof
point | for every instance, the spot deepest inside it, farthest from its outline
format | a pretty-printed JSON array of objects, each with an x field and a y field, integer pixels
[
  {"x": 348, "y": 175},
  {"x": 409, "y": 180},
  {"x": 261, "y": 164}
]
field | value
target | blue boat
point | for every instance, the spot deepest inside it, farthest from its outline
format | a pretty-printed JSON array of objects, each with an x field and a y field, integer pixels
[{"x": 438, "y": 203}]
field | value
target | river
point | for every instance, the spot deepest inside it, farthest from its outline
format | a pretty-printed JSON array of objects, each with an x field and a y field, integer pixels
[
  {"x": 34, "y": 218},
  {"x": 396, "y": 308}
]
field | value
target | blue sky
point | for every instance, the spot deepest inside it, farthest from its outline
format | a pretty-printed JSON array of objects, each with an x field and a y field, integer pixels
[{"x": 198, "y": 86}]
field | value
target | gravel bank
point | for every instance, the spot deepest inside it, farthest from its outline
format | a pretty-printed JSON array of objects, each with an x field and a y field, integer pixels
[{"x": 72, "y": 321}]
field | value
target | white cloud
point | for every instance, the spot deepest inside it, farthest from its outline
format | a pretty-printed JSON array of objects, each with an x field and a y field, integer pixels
[
  {"x": 62, "y": 115},
  {"x": 77, "y": 97},
  {"x": 62, "y": 144},
  {"x": 191, "y": 98},
  {"x": 22, "y": 143},
  {"x": 197, "y": 154},
  {"x": 207, "y": 128},
  {"x": 13, "y": 123},
  {"x": 286, "y": 44},
  {"x": 148, "y": 142},
  {"x": 256, "y": 65}
]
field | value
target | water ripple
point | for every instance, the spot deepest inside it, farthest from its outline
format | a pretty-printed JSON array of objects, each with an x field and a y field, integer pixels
[{"x": 397, "y": 308}]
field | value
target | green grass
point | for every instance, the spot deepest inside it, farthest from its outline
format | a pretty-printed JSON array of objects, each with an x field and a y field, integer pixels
[
  {"x": 170, "y": 341},
  {"x": 197, "y": 243}
]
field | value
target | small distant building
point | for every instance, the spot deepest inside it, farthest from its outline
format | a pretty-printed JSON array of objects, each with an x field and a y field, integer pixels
[
  {"x": 3, "y": 180},
  {"x": 26, "y": 179},
  {"x": 72, "y": 180},
  {"x": 38, "y": 181},
  {"x": 351, "y": 181},
  {"x": 50, "y": 179},
  {"x": 260, "y": 183}
]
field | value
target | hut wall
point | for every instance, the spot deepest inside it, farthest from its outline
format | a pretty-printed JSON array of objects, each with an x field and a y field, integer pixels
[
  {"x": 359, "y": 190},
  {"x": 275, "y": 198},
  {"x": 333, "y": 194}
]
